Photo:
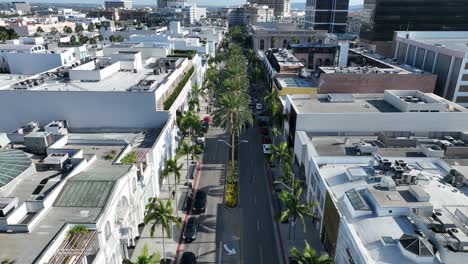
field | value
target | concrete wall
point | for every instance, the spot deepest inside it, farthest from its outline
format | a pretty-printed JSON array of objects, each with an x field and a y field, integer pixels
[
  {"x": 371, "y": 122},
  {"x": 27, "y": 63},
  {"x": 375, "y": 83},
  {"x": 81, "y": 109}
]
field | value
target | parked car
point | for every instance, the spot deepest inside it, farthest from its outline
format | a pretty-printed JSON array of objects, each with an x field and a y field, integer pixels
[
  {"x": 266, "y": 140},
  {"x": 166, "y": 260},
  {"x": 264, "y": 131},
  {"x": 188, "y": 258},
  {"x": 266, "y": 149},
  {"x": 263, "y": 123},
  {"x": 199, "y": 202},
  {"x": 259, "y": 106},
  {"x": 190, "y": 231}
]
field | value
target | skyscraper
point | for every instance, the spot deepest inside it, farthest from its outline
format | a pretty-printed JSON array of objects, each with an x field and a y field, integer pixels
[
  {"x": 282, "y": 7},
  {"x": 327, "y": 15},
  {"x": 382, "y": 17}
]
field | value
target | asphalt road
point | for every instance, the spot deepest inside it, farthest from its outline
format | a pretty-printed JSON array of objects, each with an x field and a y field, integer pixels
[
  {"x": 258, "y": 240},
  {"x": 210, "y": 180}
]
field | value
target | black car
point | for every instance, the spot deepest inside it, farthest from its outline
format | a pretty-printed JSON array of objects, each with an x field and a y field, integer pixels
[
  {"x": 188, "y": 258},
  {"x": 190, "y": 232},
  {"x": 199, "y": 202}
]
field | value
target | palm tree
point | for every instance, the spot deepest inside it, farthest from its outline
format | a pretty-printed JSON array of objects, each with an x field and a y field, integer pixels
[
  {"x": 144, "y": 258},
  {"x": 273, "y": 41},
  {"x": 187, "y": 149},
  {"x": 190, "y": 123},
  {"x": 281, "y": 153},
  {"x": 294, "y": 209},
  {"x": 161, "y": 214},
  {"x": 309, "y": 256},
  {"x": 232, "y": 114},
  {"x": 276, "y": 133},
  {"x": 173, "y": 168}
]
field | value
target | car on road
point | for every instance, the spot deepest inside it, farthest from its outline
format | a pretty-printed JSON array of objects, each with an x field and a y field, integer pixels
[
  {"x": 264, "y": 131},
  {"x": 187, "y": 258},
  {"x": 259, "y": 106},
  {"x": 166, "y": 260},
  {"x": 190, "y": 231},
  {"x": 262, "y": 123},
  {"x": 266, "y": 140},
  {"x": 199, "y": 202},
  {"x": 266, "y": 149}
]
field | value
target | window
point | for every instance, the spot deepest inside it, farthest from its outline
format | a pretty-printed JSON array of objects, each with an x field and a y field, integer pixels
[
  {"x": 463, "y": 88},
  {"x": 465, "y": 77},
  {"x": 262, "y": 44},
  {"x": 390, "y": 211},
  {"x": 107, "y": 230},
  {"x": 285, "y": 43}
]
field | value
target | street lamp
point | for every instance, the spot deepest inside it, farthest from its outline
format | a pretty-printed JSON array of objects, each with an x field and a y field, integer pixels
[{"x": 284, "y": 185}]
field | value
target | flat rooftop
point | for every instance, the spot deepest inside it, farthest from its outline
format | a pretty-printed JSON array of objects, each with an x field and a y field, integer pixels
[
  {"x": 83, "y": 196},
  {"x": 371, "y": 103},
  {"x": 7, "y": 79},
  {"x": 453, "y": 40},
  {"x": 367, "y": 228},
  {"x": 288, "y": 82},
  {"x": 120, "y": 81}
]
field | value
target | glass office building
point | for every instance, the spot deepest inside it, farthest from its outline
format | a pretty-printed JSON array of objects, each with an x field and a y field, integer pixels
[
  {"x": 328, "y": 15},
  {"x": 382, "y": 17}
]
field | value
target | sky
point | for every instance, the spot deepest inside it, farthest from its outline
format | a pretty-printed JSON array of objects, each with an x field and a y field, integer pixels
[{"x": 152, "y": 2}]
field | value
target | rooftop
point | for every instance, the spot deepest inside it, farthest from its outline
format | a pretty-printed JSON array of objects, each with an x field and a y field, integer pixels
[
  {"x": 288, "y": 82},
  {"x": 453, "y": 40},
  {"x": 390, "y": 205},
  {"x": 390, "y": 101},
  {"x": 83, "y": 195},
  {"x": 99, "y": 76}
]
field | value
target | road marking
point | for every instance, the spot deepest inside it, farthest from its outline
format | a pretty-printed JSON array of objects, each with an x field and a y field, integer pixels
[
  {"x": 258, "y": 225},
  {"x": 198, "y": 255},
  {"x": 261, "y": 255},
  {"x": 220, "y": 251}
]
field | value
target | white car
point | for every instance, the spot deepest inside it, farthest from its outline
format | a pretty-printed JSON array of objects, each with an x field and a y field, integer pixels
[
  {"x": 259, "y": 106},
  {"x": 266, "y": 148},
  {"x": 201, "y": 140}
]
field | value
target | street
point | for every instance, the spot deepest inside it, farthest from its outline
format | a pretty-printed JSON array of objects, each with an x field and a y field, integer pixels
[{"x": 258, "y": 238}]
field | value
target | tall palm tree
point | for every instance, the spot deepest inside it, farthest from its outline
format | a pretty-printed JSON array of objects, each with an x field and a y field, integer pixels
[
  {"x": 276, "y": 133},
  {"x": 188, "y": 149},
  {"x": 173, "y": 168},
  {"x": 232, "y": 114},
  {"x": 190, "y": 123},
  {"x": 159, "y": 213},
  {"x": 294, "y": 209},
  {"x": 309, "y": 256},
  {"x": 281, "y": 153},
  {"x": 145, "y": 258}
]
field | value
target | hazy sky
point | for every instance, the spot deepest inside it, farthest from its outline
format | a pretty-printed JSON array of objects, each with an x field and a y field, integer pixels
[{"x": 152, "y": 2}]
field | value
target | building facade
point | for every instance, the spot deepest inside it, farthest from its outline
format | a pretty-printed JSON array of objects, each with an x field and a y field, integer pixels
[
  {"x": 382, "y": 17},
  {"x": 116, "y": 4},
  {"x": 281, "y": 7},
  {"x": 328, "y": 15},
  {"x": 443, "y": 53}
]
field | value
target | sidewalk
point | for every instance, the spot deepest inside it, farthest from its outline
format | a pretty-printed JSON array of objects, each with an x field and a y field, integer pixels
[{"x": 288, "y": 236}]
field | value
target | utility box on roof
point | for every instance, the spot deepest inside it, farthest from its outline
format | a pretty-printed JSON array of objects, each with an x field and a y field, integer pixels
[{"x": 37, "y": 142}]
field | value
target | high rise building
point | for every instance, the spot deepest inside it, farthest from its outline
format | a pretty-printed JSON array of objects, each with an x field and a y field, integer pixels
[
  {"x": 282, "y": 7},
  {"x": 382, "y": 17},
  {"x": 328, "y": 15},
  {"x": 114, "y": 4},
  {"x": 21, "y": 6}
]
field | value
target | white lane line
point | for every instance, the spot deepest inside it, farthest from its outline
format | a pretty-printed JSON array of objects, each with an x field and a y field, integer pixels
[
  {"x": 261, "y": 255},
  {"x": 258, "y": 225},
  {"x": 220, "y": 255},
  {"x": 198, "y": 255}
]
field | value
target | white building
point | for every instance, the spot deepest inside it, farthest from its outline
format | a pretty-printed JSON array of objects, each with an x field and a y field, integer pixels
[
  {"x": 81, "y": 92},
  {"x": 393, "y": 204},
  {"x": 444, "y": 53},
  {"x": 13, "y": 58},
  {"x": 115, "y": 4},
  {"x": 25, "y": 28},
  {"x": 78, "y": 179}
]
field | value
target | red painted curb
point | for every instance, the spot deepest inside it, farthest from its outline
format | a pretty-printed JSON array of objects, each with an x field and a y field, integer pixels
[{"x": 194, "y": 187}]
